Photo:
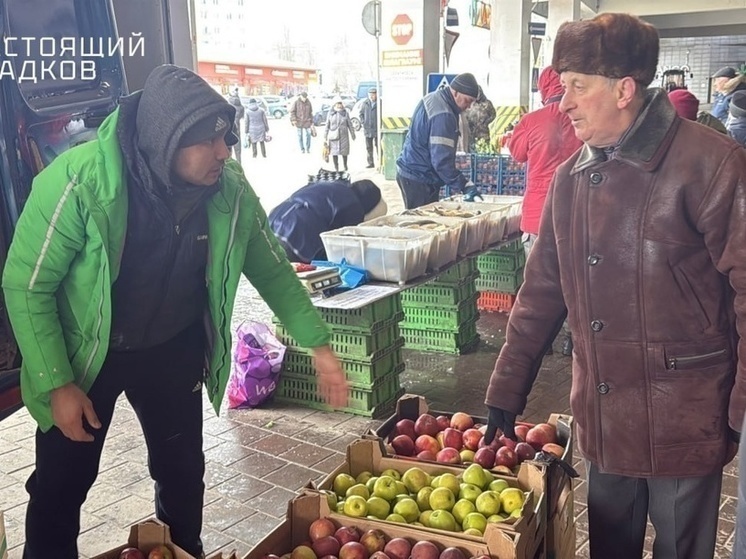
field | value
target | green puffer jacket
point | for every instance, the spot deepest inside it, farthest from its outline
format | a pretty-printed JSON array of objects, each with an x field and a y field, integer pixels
[{"x": 66, "y": 253}]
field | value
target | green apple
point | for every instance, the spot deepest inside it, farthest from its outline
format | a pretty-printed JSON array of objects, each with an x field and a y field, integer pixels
[
  {"x": 408, "y": 509},
  {"x": 476, "y": 521},
  {"x": 495, "y": 519},
  {"x": 401, "y": 489},
  {"x": 370, "y": 483},
  {"x": 379, "y": 508},
  {"x": 392, "y": 473},
  {"x": 477, "y": 475},
  {"x": 499, "y": 485},
  {"x": 425, "y": 517},
  {"x": 469, "y": 491},
  {"x": 472, "y": 532},
  {"x": 396, "y": 518},
  {"x": 423, "y": 498},
  {"x": 435, "y": 483},
  {"x": 511, "y": 499},
  {"x": 442, "y": 520},
  {"x": 341, "y": 507},
  {"x": 466, "y": 456},
  {"x": 451, "y": 482},
  {"x": 342, "y": 483},
  {"x": 461, "y": 509},
  {"x": 356, "y": 506},
  {"x": 488, "y": 503},
  {"x": 385, "y": 487},
  {"x": 415, "y": 479},
  {"x": 517, "y": 513},
  {"x": 358, "y": 489},
  {"x": 442, "y": 499},
  {"x": 363, "y": 477},
  {"x": 331, "y": 499}
]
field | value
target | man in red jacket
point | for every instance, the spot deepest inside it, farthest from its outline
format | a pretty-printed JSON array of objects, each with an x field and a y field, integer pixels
[{"x": 543, "y": 138}]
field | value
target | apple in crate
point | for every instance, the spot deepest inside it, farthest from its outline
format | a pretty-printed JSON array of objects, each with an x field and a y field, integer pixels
[
  {"x": 461, "y": 421},
  {"x": 403, "y": 445},
  {"x": 471, "y": 438},
  {"x": 398, "y": 548},
  {"x": 373, "y": 540},
  {"x": 406, "y": 427},
  {"x": 443, "y": 422},
  {"x": 426, "y": 455},
  {"x": 426, "y": 442},
  {"x": 160, "y": 552},
  {"x": 506, "y": 457},
  {"x": 131, "y": 553},
  {"x": 554, "y": 448},
  {"x": 353, "y": 550},
  {"x": 321, "y": 528},
  {"x": 453, "y": 438},
  {"x": 541, "y": 434},
  {"x": 426, "y": 425},
  {"x": 327, "y": 545},
  {"x": 425, "y": 550},
  {"x": 448, "y": 455},
  {"x": 520, "y": 431},
  {"x": 347, "y": 534},
  {"x": 485, "y": 457},
  {"x": 525, "y": 451}
]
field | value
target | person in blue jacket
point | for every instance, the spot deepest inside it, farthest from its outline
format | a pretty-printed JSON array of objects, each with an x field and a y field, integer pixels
[
  {"x": 428, "y": 157},
  {"x": 726, "y": 82},
  {"x": 319, "y": 207}
]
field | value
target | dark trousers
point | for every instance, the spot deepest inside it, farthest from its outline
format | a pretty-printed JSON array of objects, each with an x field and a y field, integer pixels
[
  {"x": 416, "y": 193},
  {"x": 683, "y": 511},
  {"x": 369, "y": 143},
  {"x": 163, "y": 384},
  {"x": 335, "y": 160},
  {"x": 261, "y": 145}
]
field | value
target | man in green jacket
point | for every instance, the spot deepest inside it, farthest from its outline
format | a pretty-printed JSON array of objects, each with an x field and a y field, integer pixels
[{"x": 121, "y": 277}]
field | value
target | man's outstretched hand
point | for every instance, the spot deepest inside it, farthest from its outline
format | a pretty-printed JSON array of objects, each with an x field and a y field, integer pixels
[
  {"x": 502, "y": 420},
  {"x": 69, "y": 406}
]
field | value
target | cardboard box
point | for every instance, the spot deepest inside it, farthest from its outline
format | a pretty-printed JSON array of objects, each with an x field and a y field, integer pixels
[
  {"x": 411, "y": 406},
  {"x": 501, "y": 539},
  {"x": 145, "y": 536},
  {"x": 310, "y": 505},
  {"x": 560, "y": 538},
  {"x": 3, "y": 538}
]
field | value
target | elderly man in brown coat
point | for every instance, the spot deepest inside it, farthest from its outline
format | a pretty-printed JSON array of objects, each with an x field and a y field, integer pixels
[{"x": 642, "y": 244}]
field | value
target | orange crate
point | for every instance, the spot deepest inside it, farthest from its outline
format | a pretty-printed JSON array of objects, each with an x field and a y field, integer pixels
[{"x": 495, "y": 301}]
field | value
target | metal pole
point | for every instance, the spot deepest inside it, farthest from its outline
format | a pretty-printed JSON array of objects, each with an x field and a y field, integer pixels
[
  {"x": 193, "y": 34},
  {"x": 377, "y": 11}
]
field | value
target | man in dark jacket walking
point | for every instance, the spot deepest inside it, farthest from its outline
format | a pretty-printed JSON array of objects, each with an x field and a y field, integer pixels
[
  {"x": 369, "y": 118},
  {"x": 301, "y": 116},
  {"x": 235, "y": 100},
  {"x": 428, "y": 158},
  {"x": 642, "y": 244}
]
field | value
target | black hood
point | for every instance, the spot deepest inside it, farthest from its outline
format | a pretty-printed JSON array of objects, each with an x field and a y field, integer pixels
[{"x": 172, "y": 100}]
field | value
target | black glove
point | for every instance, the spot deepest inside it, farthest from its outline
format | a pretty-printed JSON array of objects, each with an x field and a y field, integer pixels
[
  {"x": 734, "y": 435},
  {"x": 502, "y": 420},
  {"x": 472, "y": 192}
]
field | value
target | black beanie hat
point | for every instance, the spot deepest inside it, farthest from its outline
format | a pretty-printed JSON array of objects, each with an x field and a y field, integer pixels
[
  {"x": 208, "y": 128},
  {"x": 725, "y": 72},
  {"x": 368, "y": 194},
  {"x": 738, "y": 104},
  {"x": 466, "y": 84}
]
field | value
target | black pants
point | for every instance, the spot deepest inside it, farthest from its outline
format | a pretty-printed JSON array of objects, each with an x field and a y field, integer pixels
[
  {"x": 684, "y": 512},
  {"x": 416, "y": 193},
  {"x": 335, "y": 159},
  {"x": 369, "y": 143},
  {"x": 164, "y": 386},
  {"x": 253, "y": 148}
]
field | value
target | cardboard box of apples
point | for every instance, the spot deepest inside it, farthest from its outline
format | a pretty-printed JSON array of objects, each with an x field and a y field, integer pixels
[
  {"x": 150, "y": 539},
  {"x": 313, "y": 531},
  {"x": 441, "y": 499}
]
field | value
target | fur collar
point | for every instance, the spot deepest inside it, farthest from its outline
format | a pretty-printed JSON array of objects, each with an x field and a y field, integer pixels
[{"x": 646, "y": 142}]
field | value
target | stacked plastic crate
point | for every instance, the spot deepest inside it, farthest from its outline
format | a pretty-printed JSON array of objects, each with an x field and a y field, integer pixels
[
  {"x": 500, "y": 276},
  {"x": 441, "y": 315},
  {"x": 487, "y": 173},
  {"x": 465, "y": 164},
  {"x": 512, "y": 176},
  {"x": 368, "y": 342}
]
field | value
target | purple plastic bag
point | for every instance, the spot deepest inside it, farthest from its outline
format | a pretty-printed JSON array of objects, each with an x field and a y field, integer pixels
[{"x": 257, "y": 361}]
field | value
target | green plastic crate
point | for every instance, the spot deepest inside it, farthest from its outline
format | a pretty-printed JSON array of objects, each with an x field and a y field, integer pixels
[
  {"x": 375, "y": 400},
  {"x": 370, "y": 318},
  {"x": 505, "y": 282},
  {"x": 513, "y": 246},
  {"x": 448, "y": 319},
  {"x": 457, "y": 273},
  {"x": 459, "y": 342},
  {"x": 439, "y": 295},
  {"x": 496, "y": 261},
  {"x": 357, "y": 345},
  {"x": 362, "y": 371}
]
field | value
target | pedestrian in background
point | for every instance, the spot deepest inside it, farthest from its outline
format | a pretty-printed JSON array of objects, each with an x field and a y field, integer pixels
[
  {"x": 475, "y": 123},
  {"x": 725, "y": 82},
  {"x": 338, "y": 132},
  {"x": 301, "y": 116},
  {"x": 257, "y": 127},
  {"x": 235, "y": 100},
  {"x": 642, "y": 245},
  {"x": 737, "y": 123},
  {"x": 369, "y": 118}
]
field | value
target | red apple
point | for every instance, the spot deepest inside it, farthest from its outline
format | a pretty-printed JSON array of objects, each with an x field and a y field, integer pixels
[
  {"x": 444, "y": 422},
  {"x": 524, "y": 451},
  {"x": 426, "y": 425},
  {"x": 406, "y": 427},
  {"x": 494, "y": 445},
  {"x": 424, "y": 549},
  {"x": 461, "y": 421},
  {"x": 507, "y": 441},
  {"x": 439, "y": 438},
  {"x": 347, "y": 534},
  {"x": 321, "y": 528},
  {"x": 448, "y": 456},
  {"x": 453, "y": 438},
  {"x": 520, "y": 432},
  {"x": 398, "y": 548},
  {"x": 426, "y": 455},
  {"x": 131, "y": 553},
  {"x": 327, "y": 545},
  {"x": 452, "y": 553},
  {"x": 426, "y": 442},
  {"x": 541, "y": 434},
  {"x": 353, "y": 550},
  {"x": 471, "y": 438},
  {"x": 160, "y": 552},
  {"x": 372, "y": 540},
  {"x": 485, "y": 457},
  {"x": 379, "y": 555},
  {"x": 554, "y": 448},
  {"x": 506, "y": 457},
  {"x": 403, "y": 445}
]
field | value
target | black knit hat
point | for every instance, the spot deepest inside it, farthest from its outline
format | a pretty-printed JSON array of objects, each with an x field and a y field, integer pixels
[
  {"x": 725, "y": 72},
  {"x": 367, "y": 192},
  {"x": 738, "y": 104},
  {"x": 209, "y": 128},
  {"x": 466, "y": 84}
]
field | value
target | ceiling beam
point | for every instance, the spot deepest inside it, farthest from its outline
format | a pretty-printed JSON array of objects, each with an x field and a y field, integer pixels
[{"x": 664, "y": 7}]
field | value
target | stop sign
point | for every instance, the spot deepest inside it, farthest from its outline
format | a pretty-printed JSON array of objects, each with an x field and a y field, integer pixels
[{"x": 401, "y": 29}]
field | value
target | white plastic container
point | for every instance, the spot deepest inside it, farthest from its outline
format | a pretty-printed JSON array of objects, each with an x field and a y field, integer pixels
[
  {"x": 492, "y": 220},
  {"x": 391, "y": 254}
]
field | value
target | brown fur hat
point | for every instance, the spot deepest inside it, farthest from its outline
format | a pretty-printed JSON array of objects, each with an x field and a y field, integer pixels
[{"x": 611, "y": 45}]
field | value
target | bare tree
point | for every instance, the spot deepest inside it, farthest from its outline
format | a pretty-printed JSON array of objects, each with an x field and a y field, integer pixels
[{"x": 284, "y": 47}]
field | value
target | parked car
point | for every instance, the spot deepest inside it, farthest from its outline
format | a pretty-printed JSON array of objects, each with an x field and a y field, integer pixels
[
  {"x": 355, "y": 115},
  {"x": 319, "y": 116},
  {"x": 275, "y": 105}
]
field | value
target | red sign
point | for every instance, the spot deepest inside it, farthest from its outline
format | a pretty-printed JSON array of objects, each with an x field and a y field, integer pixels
[{"x": 401, "y": 29}]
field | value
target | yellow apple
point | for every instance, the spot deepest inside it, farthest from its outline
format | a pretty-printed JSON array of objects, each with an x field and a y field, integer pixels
[
  {"x": 442, "y": 499},
  {"x": 408, "y": 509},
  {"x": 461, "y": 509},
  {"x": 356, "y": 506},
  {"x": 378, "y": 507},
  {"x": 488, "y": 503},
  {"x": 511, "y": 499}
]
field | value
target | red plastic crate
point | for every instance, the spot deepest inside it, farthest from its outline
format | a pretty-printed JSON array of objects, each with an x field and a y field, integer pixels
[{"x": 495, "y": 301}]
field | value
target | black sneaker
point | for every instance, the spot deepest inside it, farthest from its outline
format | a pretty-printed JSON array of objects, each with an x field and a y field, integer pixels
[{"x": 369, "y": 166}]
